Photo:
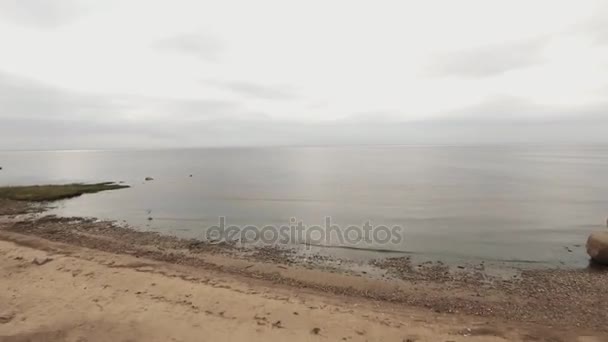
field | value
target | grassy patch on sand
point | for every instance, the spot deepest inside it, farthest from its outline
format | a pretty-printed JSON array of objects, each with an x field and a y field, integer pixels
[{"x": 38, "y": 193}]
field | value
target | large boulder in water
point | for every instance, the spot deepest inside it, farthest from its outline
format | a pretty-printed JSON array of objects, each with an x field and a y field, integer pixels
[{"x": 597, "y": 247}]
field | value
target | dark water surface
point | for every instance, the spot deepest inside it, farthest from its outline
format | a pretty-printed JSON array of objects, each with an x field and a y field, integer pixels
[{"x": 527, "y": 204}]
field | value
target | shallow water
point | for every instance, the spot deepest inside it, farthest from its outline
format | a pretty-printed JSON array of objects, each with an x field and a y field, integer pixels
[{"x": 533, "y": 204}]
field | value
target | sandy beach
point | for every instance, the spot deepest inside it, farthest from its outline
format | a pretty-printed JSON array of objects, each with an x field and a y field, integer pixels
[{"x": 75, "y": 279}]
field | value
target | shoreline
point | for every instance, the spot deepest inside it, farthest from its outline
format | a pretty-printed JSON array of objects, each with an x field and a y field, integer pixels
[{"x": 544, "y": 298}]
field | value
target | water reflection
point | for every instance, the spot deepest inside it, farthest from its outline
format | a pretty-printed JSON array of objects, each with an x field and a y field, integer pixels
[{"x": 498, "y": 203}]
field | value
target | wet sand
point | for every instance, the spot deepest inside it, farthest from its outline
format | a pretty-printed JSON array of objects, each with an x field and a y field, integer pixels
[{"x": 73, "y": 279}]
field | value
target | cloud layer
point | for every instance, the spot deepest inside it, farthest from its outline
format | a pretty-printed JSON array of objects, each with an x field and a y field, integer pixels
[
  {"x": 490, "y": 60},
  {"x": 125, "y": 74}
]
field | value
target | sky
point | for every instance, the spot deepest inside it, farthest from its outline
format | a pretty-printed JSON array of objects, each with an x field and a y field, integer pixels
[{"x": 83, "y": 74}]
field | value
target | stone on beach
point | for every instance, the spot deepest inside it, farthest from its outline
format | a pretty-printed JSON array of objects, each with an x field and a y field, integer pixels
[
  {"x": 149, "y": 178},
  {"x": 597, "y": 247}
]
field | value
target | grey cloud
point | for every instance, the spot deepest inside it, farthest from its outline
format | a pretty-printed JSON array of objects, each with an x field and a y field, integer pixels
[
  {"x": 509, "y": 109},
  {"x": 496, "y": 108},
  {"x": 318, "y": 104},
  {"x": 49, "y": 134},
  {"x": 489, "y": 60},
  {"x": 596, "y": 27},
  {"x": 25, "y": 98},
  {"x": 201, "y": 108},
  {"x": 22, "y": 97},
  {"x": 260, "y": 91},
  {"x": 42, "y": 13},
  {"x": 20, "y": 134},
  {"x": 34, "y": 116},
  {"x": 198, "y": 45},
  {"x": 372, "y": 116}
]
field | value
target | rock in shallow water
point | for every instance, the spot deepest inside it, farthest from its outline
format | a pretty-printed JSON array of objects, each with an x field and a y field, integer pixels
[{"x": 597, "y": 247}]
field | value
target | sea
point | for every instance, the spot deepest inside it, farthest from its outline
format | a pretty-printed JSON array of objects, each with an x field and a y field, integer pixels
[{"x": 511, "y": 204}]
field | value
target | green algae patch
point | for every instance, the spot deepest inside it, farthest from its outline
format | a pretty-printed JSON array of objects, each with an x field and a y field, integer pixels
[{"x": 40, "y": 193}]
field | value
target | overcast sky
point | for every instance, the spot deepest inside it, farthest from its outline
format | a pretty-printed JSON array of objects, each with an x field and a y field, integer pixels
[{"x": 122, "y": 74}]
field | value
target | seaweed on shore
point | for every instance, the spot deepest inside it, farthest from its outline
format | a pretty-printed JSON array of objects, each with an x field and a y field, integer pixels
[{"x": 41, "y": 193}]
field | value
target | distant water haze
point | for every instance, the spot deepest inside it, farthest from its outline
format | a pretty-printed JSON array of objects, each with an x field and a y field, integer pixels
[{"x": 533, "y": 204}]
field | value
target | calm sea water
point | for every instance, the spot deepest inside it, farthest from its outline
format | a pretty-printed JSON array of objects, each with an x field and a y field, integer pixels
[{"x": 512, "y": 204}]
